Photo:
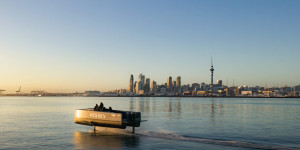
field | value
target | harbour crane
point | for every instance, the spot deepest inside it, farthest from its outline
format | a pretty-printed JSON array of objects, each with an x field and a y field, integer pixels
[{"x": 19, "y": 91}]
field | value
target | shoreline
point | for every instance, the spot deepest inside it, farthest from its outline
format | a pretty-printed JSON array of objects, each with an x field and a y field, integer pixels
[{"x": 155, "y": 96}]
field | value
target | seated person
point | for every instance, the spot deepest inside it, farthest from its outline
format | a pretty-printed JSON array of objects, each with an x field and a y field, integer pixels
[
  {"x": 101, "y": 106},
  {"x": 96, "y": 107},
  {"x": 104, "y": 109}
]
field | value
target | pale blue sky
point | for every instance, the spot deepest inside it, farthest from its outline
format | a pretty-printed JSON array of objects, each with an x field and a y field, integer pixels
[{"x": 66, "y": 46}]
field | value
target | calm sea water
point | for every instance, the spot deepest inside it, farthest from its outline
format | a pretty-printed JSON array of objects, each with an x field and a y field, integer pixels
[{"x": 172, "y": 123}]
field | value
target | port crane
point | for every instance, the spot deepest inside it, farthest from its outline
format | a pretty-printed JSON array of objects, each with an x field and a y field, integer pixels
[{"x": 19, "y": 91}]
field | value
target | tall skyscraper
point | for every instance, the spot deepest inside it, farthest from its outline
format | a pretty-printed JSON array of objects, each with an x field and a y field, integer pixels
[
  {"x": 139, "y": 84},
  {"x": 131, "y": 84},
  {"x": 153, "y": 86},
  {"x": 134, "y": 86},
  {"x": 169, "y": 83},
  {"x": 178, "y": 81},
  {"x": 140, "y": 77},
  {"x": 147, "y": 85},
  {"x": 148, "y": 81},
  {"x": 141, "y": 80},
  {"x": 139, "y": 87},
  {"x": 212, "y": 76}
]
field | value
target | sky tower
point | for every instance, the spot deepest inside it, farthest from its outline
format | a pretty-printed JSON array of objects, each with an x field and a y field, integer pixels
[{"x": 212, "y": 75}]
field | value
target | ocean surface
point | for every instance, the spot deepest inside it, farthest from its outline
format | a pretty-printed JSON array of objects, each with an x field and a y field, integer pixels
[{"x": 172, "y": 123}]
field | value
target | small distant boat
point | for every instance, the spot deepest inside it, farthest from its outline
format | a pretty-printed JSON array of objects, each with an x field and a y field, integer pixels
[{"x": 108, "y": 118}]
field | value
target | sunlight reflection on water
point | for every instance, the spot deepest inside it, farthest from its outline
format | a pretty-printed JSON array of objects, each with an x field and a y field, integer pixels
[{"x": 47, "y": 122}]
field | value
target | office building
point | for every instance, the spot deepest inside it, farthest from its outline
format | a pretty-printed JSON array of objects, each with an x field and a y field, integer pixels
[
  {"x": 148, "y": 81},
  {"x": 219, "y": 83},
  {"x": 178, "y": 81},
  {"x": 131, "y": 84},
  {"x": 169, "y": 83},
  {"x": 141, "y": 80},
  {"x": 153, "y": 87}
]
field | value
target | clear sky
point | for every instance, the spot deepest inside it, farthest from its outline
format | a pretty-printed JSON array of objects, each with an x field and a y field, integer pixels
[{"x": 68, "y": 46}]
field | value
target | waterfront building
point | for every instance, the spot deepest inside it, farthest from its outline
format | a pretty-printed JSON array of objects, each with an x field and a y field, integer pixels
[
  {"x": 163, "y": 91},
  {"x": 140, "y": 92},
  {"x": 297, "y": 88},
  {"x": 246, "y": 93},
  {"x": 195, "y": 86},
  {"x": 185, "y": 88},
  {"x": 202, "y": 85},
  {"x": 187, "y": 93},
  {"x": 237, "y": 92},
  {"x": 159, "y": 87},
  {"x": 201, "y": 93},
  {"x": 219, "y": 83},
  {"x": 179, "y": 90},
  {"x": 147, "y": 89},
  {"x": 226, "y": 90},
  {"x": 197, "y": 89}
]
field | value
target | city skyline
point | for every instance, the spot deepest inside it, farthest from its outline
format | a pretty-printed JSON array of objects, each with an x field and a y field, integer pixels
[
  {"x": 171, "y": 87},
  {"x": 76, "y": 46}
]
